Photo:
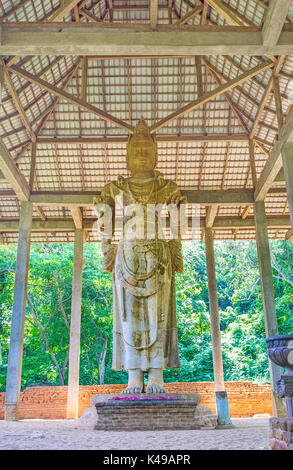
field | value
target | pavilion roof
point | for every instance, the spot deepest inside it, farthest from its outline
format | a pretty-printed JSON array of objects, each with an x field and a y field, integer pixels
[{"x": 64, "y": 119}]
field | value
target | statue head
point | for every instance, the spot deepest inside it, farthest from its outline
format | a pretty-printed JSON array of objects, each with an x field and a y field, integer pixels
[{"x": 142, "y": 151}]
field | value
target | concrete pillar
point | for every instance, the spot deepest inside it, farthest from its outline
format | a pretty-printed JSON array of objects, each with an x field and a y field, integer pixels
[
  {"x": 287, "y": 155},
  {"x": 74, "y": 345},
  {"x": 221, "y": 395},
  {"x": 13, "y": 381},
  {"x": 268, "y": 298}
]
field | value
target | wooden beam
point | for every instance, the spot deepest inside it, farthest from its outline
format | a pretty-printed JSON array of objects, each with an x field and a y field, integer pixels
[
  {"x": 211, "y": 212},
  {"x": 87, "y": 14},
  {"x": 72, "y": 99},
  {"x": 83, "y": 199},
  {"x": 212, "y": 94},
  {"x": 67, "y": 225},
  {"x": 190, "y": 14},
  {"x": 274, "y": 21},
  {"x": 77, "y": 216},
  {"x": 265, "y": 97},
  {"x": 33, "y": 166},
  {"x": 153, "y": 13},
  {"x": 214, "y": 72},
  {"x": 18, "y": 104},
  {"x": 110, "y": 8},
  {"x": 65, "y": 8},
  {"x": 160, "y": 138},
  {"x": 137, "y": 39},
  {"x": 287, "y": 158},
  {"x": 274, "y": 162},
  {"x": 225, "y": 12},
  {"x": 278, "y": 102},
  {"x": 12, "y": 174},
  {"x": 289, "y": 236}
]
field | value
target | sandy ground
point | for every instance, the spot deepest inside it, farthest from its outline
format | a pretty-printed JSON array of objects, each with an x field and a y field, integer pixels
[{"x": 248, "y": 434}]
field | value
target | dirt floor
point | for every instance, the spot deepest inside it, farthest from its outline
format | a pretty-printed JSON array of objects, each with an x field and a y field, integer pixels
[{"x": 248, "y": 434}]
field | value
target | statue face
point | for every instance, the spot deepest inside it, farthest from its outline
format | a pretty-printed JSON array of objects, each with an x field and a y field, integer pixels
[{"x": 142, "y": 156}]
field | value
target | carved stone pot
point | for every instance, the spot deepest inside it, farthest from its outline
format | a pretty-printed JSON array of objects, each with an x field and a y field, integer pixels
[{"x": 280, "y": 351}]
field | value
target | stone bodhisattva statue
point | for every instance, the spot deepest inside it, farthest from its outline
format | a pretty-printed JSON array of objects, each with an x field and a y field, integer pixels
[{"x": 143, "y": 270}]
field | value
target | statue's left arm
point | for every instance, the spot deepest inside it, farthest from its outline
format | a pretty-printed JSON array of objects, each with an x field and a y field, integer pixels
[{"x": 108, "y": 249}]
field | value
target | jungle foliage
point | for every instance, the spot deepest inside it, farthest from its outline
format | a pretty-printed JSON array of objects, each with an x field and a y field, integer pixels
[{"x": 46, "y": 335}]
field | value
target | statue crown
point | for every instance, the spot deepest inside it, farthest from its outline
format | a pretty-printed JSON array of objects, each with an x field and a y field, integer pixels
[{"x": 141, "y": 130}]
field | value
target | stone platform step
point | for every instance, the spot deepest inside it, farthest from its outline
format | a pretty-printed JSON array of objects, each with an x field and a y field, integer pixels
[{"x": 148, "y": 412}]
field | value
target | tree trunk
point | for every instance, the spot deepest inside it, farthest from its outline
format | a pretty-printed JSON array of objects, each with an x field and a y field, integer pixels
[{"x": 102, "y": 359}]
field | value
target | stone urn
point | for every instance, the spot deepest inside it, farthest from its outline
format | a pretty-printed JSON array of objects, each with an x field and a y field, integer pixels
[{"x": 280, "y": 351}]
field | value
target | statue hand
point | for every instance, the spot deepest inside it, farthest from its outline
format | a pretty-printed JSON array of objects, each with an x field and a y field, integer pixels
[{"x": 177, "y": 200}]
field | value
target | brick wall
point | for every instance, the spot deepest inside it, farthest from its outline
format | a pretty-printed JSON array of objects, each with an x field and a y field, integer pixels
[{"x": 245, "y": 398}]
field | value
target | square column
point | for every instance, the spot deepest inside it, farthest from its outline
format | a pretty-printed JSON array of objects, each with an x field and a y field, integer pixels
[
  {"x": 268, "y": 298},
  {"x": 74, "y": 345},
  {"x": 221, "y": 395},
  {"x": 13, "y": 380},
  {"x": 287, "y": 155}
]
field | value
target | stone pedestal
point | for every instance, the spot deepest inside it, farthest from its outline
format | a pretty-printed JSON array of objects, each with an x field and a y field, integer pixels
[
  {"x": 281, "y": 433},
  {"x": 181, "y": 412}
]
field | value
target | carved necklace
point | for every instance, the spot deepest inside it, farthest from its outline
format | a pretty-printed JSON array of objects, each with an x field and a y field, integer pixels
[{"x": 141, "y": 199}]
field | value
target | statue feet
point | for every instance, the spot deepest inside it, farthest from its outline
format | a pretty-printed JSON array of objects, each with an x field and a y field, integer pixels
[
  {"x": 155, "y": 381},
  {"x": 135, "y": 382}
]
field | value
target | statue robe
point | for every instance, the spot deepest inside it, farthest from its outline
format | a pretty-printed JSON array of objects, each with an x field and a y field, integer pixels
[{"x": 144, "y": 301}]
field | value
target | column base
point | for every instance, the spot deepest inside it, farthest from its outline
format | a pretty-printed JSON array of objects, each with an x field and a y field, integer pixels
[
  {"x": 11, "y": 412},
  {"x": 225, "y": 426},
  {"x": 224, "y": 420}
]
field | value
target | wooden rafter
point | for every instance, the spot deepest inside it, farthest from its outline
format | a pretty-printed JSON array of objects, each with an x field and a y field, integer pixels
[
  {"x": 265, "y": 97},
  {"x": 153, "y": 13},
  {"x": 17, "y": 103},
  {"x": 210, "y": 95},
  {"x": 190, "y": 14},
  {"x": 274, "y": 162},
  {"x": 65, "y": 8},
  {"x": 224, "y": 10},
  {"x": 278, "y": 102},
  {"x": 12, "y": 174},
  {"x": 233, "y": 106},
  {"x": 52, "y": 107},
  {"x": 72, "y": 99}
]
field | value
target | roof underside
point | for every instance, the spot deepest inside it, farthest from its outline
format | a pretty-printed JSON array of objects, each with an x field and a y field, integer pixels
[{"x": 205, "y": 149}]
